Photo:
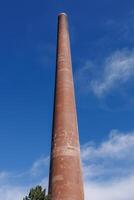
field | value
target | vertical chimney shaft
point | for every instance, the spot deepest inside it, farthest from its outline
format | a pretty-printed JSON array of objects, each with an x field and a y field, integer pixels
[{"x": 65, "y": 180}]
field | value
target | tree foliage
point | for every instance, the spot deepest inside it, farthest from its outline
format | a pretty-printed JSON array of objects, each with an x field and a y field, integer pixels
[{"x": 36, "y": 193}]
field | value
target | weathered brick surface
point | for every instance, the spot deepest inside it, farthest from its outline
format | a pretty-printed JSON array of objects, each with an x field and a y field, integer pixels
[{"x": 65, "y": 181}]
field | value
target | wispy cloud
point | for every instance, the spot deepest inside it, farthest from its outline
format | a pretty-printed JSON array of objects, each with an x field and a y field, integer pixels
[
  {"x": 83, "y": 76},
  {"x": 118, "y": 146},
  {"x": 38, "y": 166},
  {"x": 115, "y": 71},
  {"x": 118, "y": 69},
  {"x": 122, "y": 28}
]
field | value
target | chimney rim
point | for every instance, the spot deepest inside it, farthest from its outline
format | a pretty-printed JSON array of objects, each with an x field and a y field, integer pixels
[{"x": 62, "y": 13}]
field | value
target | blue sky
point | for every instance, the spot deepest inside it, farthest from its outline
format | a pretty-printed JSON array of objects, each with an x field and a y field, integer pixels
[{"x": 102, "y": 45}]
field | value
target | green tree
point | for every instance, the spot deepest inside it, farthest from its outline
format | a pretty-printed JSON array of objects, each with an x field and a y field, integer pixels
[{"x": 36, "y": 193}]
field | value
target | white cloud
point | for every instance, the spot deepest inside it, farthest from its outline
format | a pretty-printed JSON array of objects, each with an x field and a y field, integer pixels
[
  {"x": 109, "y": 168},
  {"x": 14, "y": 186},
  {"x": 118, "y": 69},
  {"x": 118, "y": 145},
  {"x": 115, "y": 71},
  {"x": 116, "y": 190},
  {"x": 12, "y": 192}
]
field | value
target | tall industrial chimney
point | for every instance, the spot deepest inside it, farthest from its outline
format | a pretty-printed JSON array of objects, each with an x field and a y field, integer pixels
[{"x": 65, "y": 179}]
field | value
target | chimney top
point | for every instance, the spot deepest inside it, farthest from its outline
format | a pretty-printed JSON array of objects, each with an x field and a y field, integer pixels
[{"x": 62, "y": 14}]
